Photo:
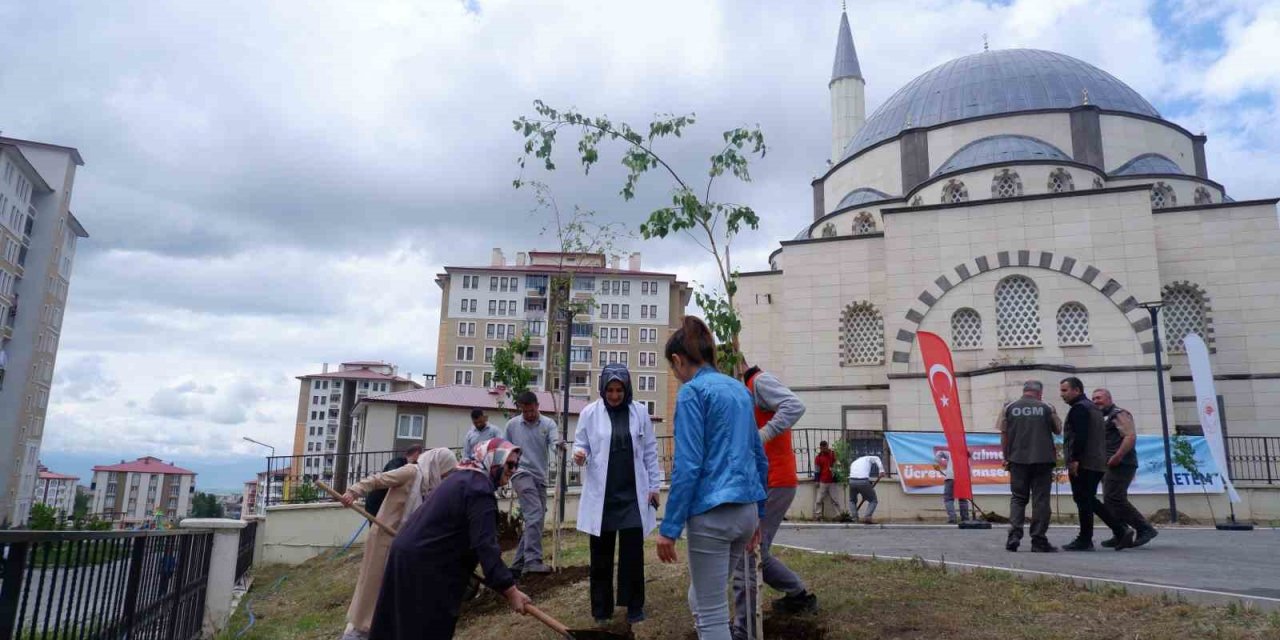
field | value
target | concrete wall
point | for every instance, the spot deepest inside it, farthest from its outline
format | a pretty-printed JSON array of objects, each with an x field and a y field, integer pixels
[
  {"x": 295, "y": 533},
  {"x": 880, "y": 168},
  {"x": 1125, "y": 138},
  {"x": 1054, "y": 128}
]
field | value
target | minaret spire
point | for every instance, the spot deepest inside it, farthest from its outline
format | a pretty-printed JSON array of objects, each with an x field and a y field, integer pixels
[{"x": 848, "y": 90}]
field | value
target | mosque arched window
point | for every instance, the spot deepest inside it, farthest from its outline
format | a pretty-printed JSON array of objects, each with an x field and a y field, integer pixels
[
  {"x": 864, "y": 224},
  {"x": 1203, "y": 196},
  {"x": 829, "y": 230},
  {"x": 1097, "y": 182},
  {"x": 1073, "y": 324},
  {"x": 917, "y": 201},
  {"x": 966, "y": 329},
  {"x": 1006, "y": 184},
  {"x": 1162, "y": 196},
  {"x": 954, "y": 192},
  {"x": 1060, "y": 181},
  {"x": 1017, "y": 312},
  {"x": 1185, "y": 312},
  {"x": 861, "y": 335}
]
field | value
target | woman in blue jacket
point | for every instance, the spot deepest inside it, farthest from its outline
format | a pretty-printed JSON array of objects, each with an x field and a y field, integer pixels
[{"x": 716, "y": 491}]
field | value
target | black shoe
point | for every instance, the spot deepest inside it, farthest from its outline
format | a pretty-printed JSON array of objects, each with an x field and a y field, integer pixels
[
  {"x": 1145, "y": 536},
  {"x": 1043, "y": 547},
  {"x": 803, "y": 602},
  {"x": 1110, "y": 542},
  {"x": 635, "y": 617},
  {"x": 1078, "y": 545},
  {"x": 1125, "y": 542},
  {"x": 1011, "y": 545}
]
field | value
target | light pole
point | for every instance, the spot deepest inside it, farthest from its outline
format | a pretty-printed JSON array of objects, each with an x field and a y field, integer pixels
[
  {"x": 1153, "y": 308},
  {"x": 266, "y": 492}
]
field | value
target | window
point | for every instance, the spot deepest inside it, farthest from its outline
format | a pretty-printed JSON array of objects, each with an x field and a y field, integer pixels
[
  {"x": 861, "y": 335},
  {"x": 647, "y": 383},
  {"x": 1073, "y": 324},
  {"x": 493, "y": 283},
  {"x": 604, "y": 287},
  {"x": 653, "y": 312},
  {"x": 490, "y": 331},
  {"x": 502, "y": 307},
  {"x": 462, "y": 377},
  {"x": 1097, "y": 182},
  {"x": 1017, "y": 312},
  {"x": 625, "y": 336},
  {"x": 463, "y": 305},
  {"x": 1203, "y": 196},
  {"x": 644, "y": 288},
  {"x": 1060, "y": 181},
  {"x": 1162, "y": 196},
  {"x": 644, "y": 312},
  {"x": 1185, "y": 312},
  {"x": 829, "y": 230},
  {"x": 410, "y": 427},
  {"x": 864, "y": 224},
  {"x": 511, "y": 308},
  {"x": 954, "y": 191},
  {"x": 466, "y": 329},
  {"x": 648, "y": 336},
  {"x": 504, "y": 284},
  {"x": 582, "y": 283},
  {"x": 648, "y": 359},
  {"x": 580, "y": 354},
  {"x": 626, "y": 312},
  {"x": 616, "y": 287},
  {"x": 1006, "y": 184},
  {"x": 626, "y": 287},
  {"x": 650, "y": 405},
  {"x": 488, "y": 356},
  {"x": 966, "y": 329},
  {"x": 604, "y": 312},
  {"x": 466, "y": 354},
  {"x": 493, "y": 307},
  {"x": 604, "y": 358}
]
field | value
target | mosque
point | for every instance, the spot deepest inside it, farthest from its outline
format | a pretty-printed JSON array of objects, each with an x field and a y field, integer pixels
[{"x": 1022, "y": 204}]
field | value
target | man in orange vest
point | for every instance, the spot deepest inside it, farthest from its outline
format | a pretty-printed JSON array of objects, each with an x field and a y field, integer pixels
[{"x": 777, "y": 411}]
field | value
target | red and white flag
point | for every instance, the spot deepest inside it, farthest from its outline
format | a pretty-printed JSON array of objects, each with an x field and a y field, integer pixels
[{"x": 941, "y": 374}]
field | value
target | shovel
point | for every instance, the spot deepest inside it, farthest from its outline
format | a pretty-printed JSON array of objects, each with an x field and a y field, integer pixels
[{"x": 552, "y": 623}]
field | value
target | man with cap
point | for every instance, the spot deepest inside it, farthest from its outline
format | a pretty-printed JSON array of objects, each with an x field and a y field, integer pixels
[{"x": 1027, "y": 426}]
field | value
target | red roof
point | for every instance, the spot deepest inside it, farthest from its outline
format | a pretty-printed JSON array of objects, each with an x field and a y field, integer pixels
[
  {"x": 366, "y": 363},
  {"x": 471, "y": 398},
  {"x": 49, "y": 475},
  {"x": 146, "y": 464},
  {"x": 548, "y": 268},
  {"x": 359, "y": 374}
]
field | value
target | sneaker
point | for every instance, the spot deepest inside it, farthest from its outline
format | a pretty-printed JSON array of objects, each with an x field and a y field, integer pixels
[
  {"x": 1110, "y": 542},
  {"x": 536, "y": 567},
  {"x": 803, "y": 602},
  {"x": 603, "y": 622},
  {"x": 1145, "y": 536},
  {"x": 636, "y": 617},
  {"x": 1043, "y": 547},
  {"x": 952, "y": 521},
  {"x": 1125, "y": 542},
  {"x": 1078, "y": 545}
]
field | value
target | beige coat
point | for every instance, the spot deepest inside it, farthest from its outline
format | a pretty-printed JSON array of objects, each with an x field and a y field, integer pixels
[{"x": 399, "y": 484}]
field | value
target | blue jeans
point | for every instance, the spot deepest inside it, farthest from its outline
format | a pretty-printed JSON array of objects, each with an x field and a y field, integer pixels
[{"x": 717, "y": 541}]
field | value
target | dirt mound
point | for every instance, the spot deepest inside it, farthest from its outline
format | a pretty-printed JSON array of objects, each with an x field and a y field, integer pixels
[
  {"x": 1162, "y": 517},
  {"x": 777, "y": 625},
  {"x": 534, "y": 585}
]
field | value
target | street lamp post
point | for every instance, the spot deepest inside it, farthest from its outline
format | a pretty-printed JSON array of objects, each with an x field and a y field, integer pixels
[
  {"x": 266, "y": 492},
  {"x": 1153, "y": 308}
]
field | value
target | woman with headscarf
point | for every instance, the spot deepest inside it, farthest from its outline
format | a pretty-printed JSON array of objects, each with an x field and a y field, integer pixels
[
  {"x": 438, "y": 548},
  {"x": 406, "y": 488},
  {"x": 620, "y": 481},
  {"x": 717, "y": 480}
]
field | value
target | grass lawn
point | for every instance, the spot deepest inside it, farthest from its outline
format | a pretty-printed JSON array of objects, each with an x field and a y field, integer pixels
[{"x": 859, "y": 599}]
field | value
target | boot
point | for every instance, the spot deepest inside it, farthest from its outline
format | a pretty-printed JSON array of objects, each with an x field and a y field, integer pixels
[
  {"x": 1078, "y": 545},
  {"x": 1145, "y": 536}
]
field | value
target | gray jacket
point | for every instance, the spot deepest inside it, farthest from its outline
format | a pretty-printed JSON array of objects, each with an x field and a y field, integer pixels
[
  {"x": 772, "y": 395},
  {"x": 476, "y": 436},
  {"x": 535, "y": 442}
]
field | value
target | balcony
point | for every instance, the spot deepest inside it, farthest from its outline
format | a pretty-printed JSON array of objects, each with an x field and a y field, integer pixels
[
  {"x": 580, "y": 391},
  {"x": 579, "y": 366},
  {"x": 335, "y": 397},
  {"x": 535, "y": 292}
]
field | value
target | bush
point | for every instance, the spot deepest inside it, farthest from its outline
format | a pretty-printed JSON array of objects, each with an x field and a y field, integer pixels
[{"x": 43, "y": 518}]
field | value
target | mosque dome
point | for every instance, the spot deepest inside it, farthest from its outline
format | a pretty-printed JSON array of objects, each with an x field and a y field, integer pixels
[{"x": 993, "y": 83}]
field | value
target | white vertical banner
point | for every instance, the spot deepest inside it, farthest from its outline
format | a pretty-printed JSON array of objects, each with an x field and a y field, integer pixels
[{"x": 1207, "y": 407}]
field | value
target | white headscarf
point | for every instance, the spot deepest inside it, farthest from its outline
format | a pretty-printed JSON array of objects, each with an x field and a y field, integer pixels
[{"x": 432, "y": 467}]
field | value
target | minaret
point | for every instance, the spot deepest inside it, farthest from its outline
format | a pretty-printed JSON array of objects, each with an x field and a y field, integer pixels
[{"x": 848, "y": 91}]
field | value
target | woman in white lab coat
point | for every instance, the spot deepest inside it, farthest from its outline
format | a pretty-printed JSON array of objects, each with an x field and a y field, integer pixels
[{"x": 620, "y": 478}]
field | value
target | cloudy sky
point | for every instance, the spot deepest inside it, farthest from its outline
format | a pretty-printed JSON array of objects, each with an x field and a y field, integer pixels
[{"x": 270, "y": 186}]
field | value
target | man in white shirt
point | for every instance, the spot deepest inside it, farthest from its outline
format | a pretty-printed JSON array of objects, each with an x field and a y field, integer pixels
[
  {"x": 862, "y": 475},
  {"x": 942, "y": 463}
]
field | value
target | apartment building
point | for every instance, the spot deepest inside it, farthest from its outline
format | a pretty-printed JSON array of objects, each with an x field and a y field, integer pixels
[
  {"x": 140, "y": 492},
  {"x": 632, "y": 312},
  {"x": 249, "y": 500},
  {"x": 56, "y": 490},
  {"x": 325, "y": 400},
  {"x": 38, "y": 236}
]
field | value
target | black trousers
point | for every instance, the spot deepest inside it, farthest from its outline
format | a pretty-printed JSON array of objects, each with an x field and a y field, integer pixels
[
  {"x": 1115, "y": 495},
  {"x": 1030, "y": 483},
  {"x": 1084, "y": 490},
  {"x": 630, "y": 572}
]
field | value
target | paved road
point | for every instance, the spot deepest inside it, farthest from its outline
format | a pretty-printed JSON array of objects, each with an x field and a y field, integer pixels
[{"x": 1204, "y": 564}]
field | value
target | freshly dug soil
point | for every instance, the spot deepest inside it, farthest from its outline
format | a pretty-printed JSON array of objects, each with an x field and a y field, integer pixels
[
  {"x": 777, "y": 625},
  {"x": 509, "y": 529},
  {"x": 1162, "y": 517},
  {"x": 533, "y": 584}
]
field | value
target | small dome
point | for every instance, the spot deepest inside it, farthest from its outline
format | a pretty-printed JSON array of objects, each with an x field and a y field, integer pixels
[
  {"x": 1003, "y": 148},
  {"x": 996, "y": 82},
  {"x": 1148, "y": 164},
  {"x": 862, "y": 196}
]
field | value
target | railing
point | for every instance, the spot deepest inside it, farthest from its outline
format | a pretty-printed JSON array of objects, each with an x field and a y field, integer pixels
[
  {"x": 1254, "y": 458},
  {"x": 107, "y": 584},
  {"x": 244, "y": 552}
]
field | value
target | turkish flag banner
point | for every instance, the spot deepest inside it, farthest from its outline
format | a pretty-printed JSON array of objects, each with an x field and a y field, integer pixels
[{"x": 941, "y": 374}]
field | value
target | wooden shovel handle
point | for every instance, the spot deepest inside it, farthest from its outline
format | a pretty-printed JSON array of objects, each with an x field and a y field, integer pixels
[{"x": 390, "y": 530}]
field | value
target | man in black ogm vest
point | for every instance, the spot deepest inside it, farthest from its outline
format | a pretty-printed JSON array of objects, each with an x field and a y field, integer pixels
[
  {"x": 1122, "y": 466},
  {"x": 1027, "y": 426}
]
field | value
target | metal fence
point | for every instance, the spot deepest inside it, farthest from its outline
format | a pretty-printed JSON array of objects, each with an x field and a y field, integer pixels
[
  {"x": 1254, "y": 458},
  {"x": 103, "y": 584},
  {"x": 244, "y": 551}
]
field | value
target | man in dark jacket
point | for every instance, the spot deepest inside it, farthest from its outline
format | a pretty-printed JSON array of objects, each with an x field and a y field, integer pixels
[
  {"x": 1084, "y": 448},
  {"x": 374, "y": 501}
]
